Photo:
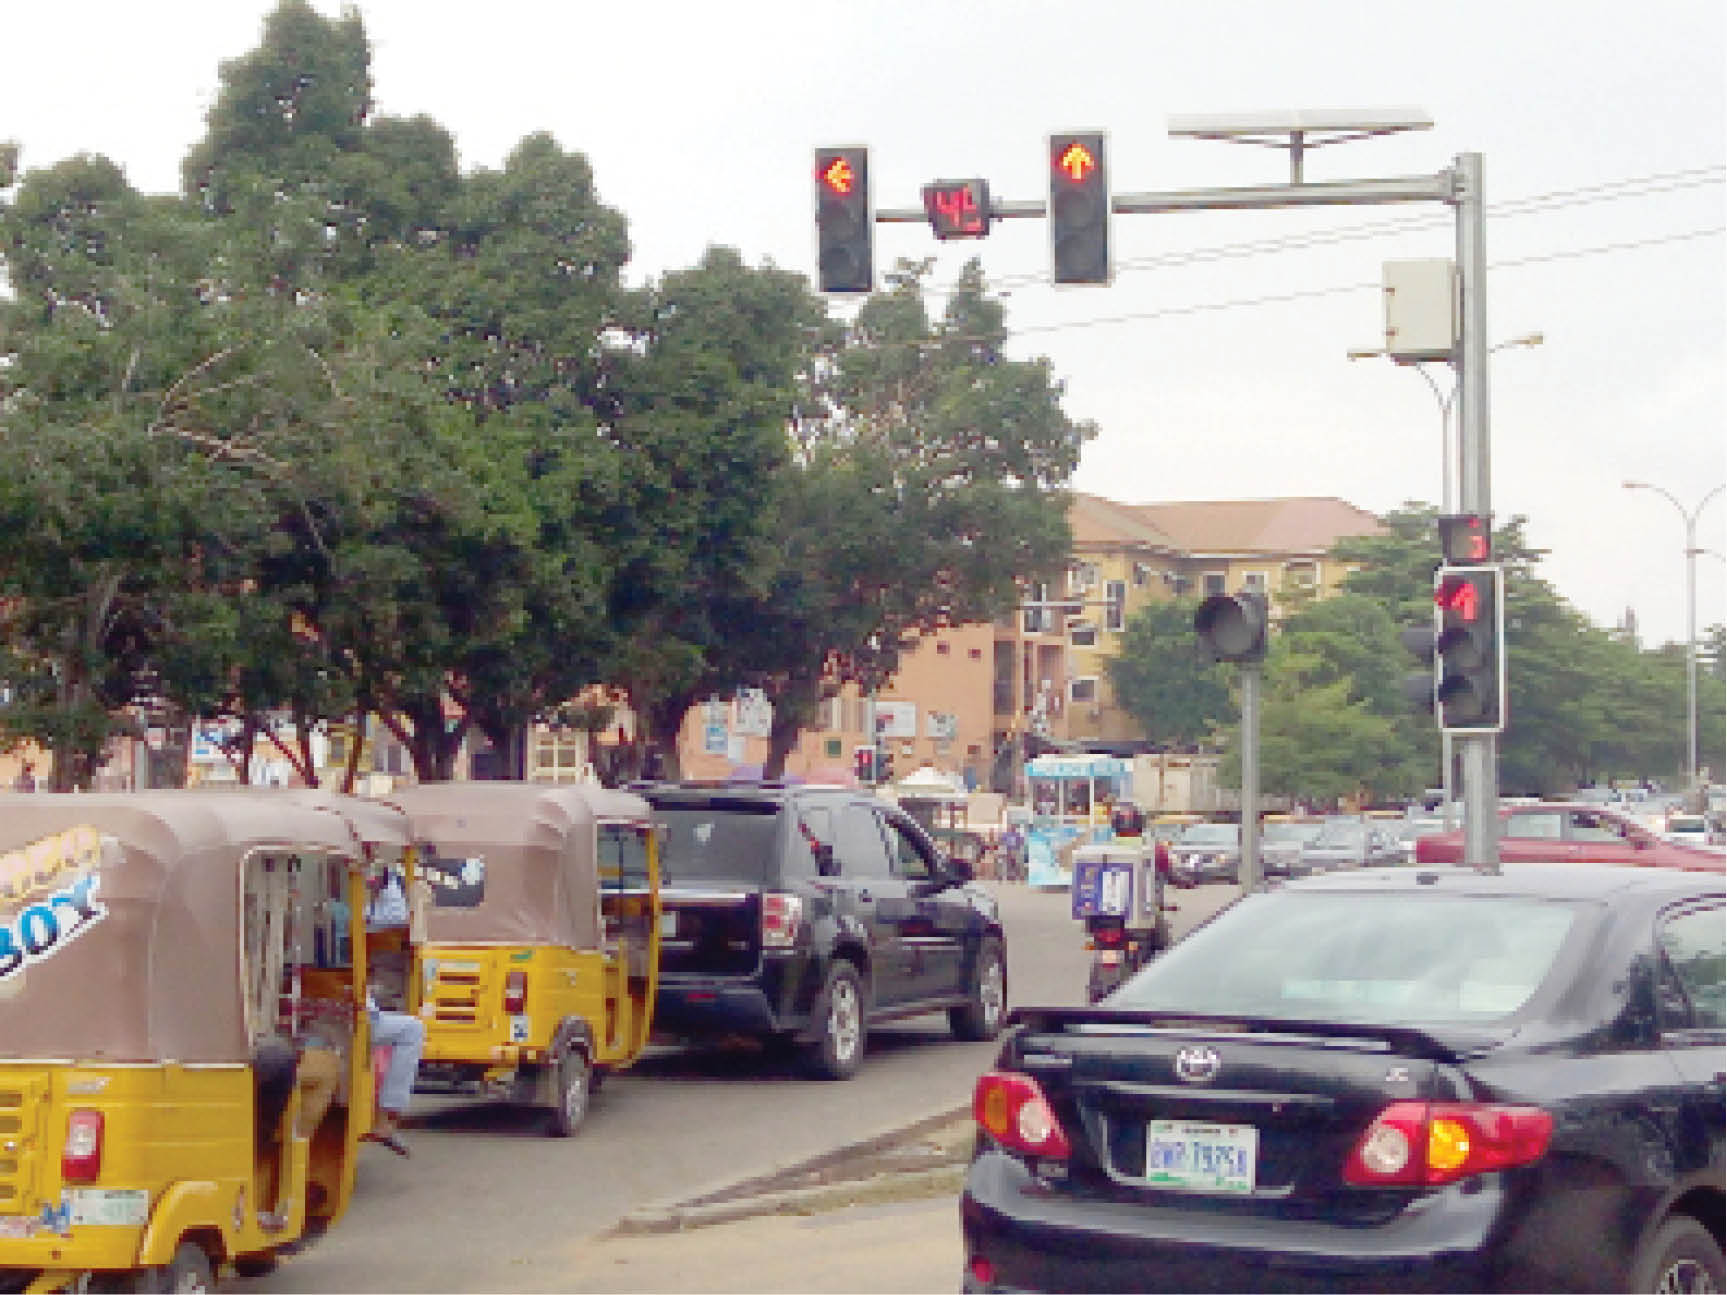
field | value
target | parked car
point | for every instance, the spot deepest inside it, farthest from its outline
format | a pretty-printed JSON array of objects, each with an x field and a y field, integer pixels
[
  {"x": 1578, "y": 833},
  {"x": 805, "y": 915},
  {"x": 1688, "y": 829},
  {"x": 1280, "y": 844},
  {"x": 1206, "y": 852},
  {"x": 1350, "y": 841},
  {"x": 1407, "y": 832},
  {"x": 1392, "y": 1079}
]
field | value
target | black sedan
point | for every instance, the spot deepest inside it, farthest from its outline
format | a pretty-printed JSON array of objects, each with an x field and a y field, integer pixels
[{"x": 1393, "y": 1079}]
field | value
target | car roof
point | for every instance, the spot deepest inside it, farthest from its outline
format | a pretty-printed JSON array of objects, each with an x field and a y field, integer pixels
[{"x": 1540, "y": 880}]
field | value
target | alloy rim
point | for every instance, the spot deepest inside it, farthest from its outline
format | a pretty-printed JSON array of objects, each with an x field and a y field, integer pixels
[
  {"x": 844, "y": 1020},
  {"x": 991, "y": 992},
  {"x": 1685, "y": 1277}
]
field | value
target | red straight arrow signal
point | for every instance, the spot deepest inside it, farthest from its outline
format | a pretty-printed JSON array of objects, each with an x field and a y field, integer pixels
[{"x": 1076, "y": 162}]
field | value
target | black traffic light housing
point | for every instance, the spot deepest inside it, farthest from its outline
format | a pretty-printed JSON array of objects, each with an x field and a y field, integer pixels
[
  {"x": 1420, "y": 640},
  {"x": 845, "y": 255},
  {"x": 1469, "y": 649},
  {"x": 1232, "y": 627},
  {"x": 1465, "y": 539},
  {"x": 1079, "y": 208},
  {"x": 863, "y": 763}
]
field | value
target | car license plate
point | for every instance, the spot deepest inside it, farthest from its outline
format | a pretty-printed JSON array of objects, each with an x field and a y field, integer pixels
[{"x": 1194, "y": 1157}]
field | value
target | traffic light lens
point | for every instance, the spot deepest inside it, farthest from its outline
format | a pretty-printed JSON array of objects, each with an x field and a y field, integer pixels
[
  {"x": 1076, "y": 162},
  {"x": 839, "y": 177},
  {"x": 1460, "y": 597}
]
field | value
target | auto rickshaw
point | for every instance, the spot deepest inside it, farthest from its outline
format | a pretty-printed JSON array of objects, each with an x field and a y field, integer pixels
[
  {"x": 184, "y": 1069},
  {"x": 537, "y": 972}
]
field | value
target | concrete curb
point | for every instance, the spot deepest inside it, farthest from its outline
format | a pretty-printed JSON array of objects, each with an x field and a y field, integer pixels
[{"x": 854, "y": 1174}]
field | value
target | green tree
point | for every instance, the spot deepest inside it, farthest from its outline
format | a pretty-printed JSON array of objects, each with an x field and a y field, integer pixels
[
  {"x": 1160, "y": 677},
  {"x": 929, "y": 481}
]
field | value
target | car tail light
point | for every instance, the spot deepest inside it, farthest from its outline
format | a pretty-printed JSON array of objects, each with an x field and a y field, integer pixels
[
  {"x": 516, "y": 992},
  {"x": 81, "y": 1158},
  {"x": 782, "y": 915},
  {"x": 1428, "y": 1144},
  {"x": 1013, "y": 1110},
  {"x": 1109, "y": 936},
  {"x": 982, "y": 1271}
]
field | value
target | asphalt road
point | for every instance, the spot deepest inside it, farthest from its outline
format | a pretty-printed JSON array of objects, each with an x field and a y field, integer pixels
[{"x": 489, "y": 1203}]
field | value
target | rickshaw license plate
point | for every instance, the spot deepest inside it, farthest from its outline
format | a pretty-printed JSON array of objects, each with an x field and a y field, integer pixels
[
  {"x": 112, "y": 1208},
  {"x": 668, "y": 925},
  {"x": 1194, "y": 1157}
]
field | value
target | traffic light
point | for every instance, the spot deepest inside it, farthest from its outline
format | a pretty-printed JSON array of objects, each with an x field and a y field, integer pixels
[
  {"x": 1079, "y": 208},
  {"x": 1469, "y": 649},
  {"x": 1465, "y": 538},
  {"x": 845, "y": 257},
  {"x": 863, "y": 763},
  {"x": 1232, "y": 627},
  {"x": 884, "y": 765},
  {"x": 1418, "y": 687}
]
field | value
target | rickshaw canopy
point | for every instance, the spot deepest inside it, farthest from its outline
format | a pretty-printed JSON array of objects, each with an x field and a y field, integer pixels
[
  {"x": 509, "y": 862},
  {"x": 121, "y": 919}
]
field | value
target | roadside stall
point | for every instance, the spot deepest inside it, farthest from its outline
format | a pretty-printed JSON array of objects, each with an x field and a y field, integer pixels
[{"x": 1070, "y": 795}]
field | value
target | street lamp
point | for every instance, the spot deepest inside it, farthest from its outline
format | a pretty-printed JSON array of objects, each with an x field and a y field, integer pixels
[
  {"x": 1447, "y": 490},
  {"x": 1691, "y": 552}
]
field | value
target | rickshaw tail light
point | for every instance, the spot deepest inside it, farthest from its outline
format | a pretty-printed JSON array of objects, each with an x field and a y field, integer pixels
[
  {"x": 782, "y": 915},
  {"x": 81, "y": 1159},
  {"x": 516, "y": 992}
]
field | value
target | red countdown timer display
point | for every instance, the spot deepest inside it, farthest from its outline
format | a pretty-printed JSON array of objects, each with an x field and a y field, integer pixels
[{"x": 957, "y": 208}]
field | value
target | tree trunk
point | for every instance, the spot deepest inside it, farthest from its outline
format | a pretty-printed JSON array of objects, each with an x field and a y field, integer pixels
[{"x": 794, "y": 701}]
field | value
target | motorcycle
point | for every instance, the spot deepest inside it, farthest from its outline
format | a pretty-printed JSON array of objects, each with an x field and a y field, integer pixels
[{"x": 1118, "y": 889}]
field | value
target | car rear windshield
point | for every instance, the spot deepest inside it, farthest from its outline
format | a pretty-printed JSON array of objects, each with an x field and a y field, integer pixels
[
  {"x": 1212, "y": 834},
  {"x": 717, "y": 841},
  {"x": 1338, "y": 956}
]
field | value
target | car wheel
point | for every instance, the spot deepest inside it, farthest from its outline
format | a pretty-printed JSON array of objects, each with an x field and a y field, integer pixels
[
  {"x": 838, "y": 1050},
  {"x": 1681, "y": 1256},
  {"x": 575, "y": 1079},
  {"x": 986, "y": 998}
]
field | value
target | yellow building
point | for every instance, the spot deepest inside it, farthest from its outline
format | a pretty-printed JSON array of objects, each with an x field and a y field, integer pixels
[{"x": 966, "y": 698}]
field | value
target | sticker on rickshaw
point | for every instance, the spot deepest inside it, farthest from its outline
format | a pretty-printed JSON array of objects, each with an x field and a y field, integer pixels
[
  {"x": 107, "y": 1207},
  {"x": 521, "y": 1029},
  {"x": 48, "y": 897}
]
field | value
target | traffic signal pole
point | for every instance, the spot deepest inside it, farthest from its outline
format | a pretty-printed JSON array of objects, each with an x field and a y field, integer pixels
[{"x": 1479, "y": 751}]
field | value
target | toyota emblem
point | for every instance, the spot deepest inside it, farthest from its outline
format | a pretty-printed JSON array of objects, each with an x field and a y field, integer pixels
[{"x": 1197, "y": 1065}]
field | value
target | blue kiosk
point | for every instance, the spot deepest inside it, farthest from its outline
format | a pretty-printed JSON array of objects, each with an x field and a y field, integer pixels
[{"x": 1067, "y": 792}]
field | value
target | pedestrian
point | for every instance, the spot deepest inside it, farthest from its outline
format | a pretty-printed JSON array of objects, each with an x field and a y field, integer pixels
[
  {"x": 401, "y": 1032},
  {"x": 1011, "y": 848}
]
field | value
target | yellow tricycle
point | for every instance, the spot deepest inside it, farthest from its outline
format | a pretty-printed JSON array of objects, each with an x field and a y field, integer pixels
[
  {"x": 538, "y": 968},
  {"x": 184, "y": 1060}
]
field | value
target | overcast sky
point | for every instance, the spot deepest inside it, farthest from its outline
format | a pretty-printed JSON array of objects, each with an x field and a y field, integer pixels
[{"x": 1210, "y": 376}]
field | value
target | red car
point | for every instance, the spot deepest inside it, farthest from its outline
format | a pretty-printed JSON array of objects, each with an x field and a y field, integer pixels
[{"x": 1555, "y": 833}]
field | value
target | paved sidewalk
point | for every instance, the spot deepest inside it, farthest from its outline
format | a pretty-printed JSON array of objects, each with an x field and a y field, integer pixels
[{"x": 904, "y": 1246}]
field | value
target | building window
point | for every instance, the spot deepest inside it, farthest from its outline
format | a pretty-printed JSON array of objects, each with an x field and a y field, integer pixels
[
  {"x": 1083, "y": 690},
  {"x": 976, "y": 654},
  {"x": 1115, "y": 613},
  {"x": 1081, "y": 577},
  {"x": 1253, "y": 582},
  {"x": 942, "y": 649},
  {"x": 1141, "y": 575},
  {"x": 1083, "y": 634},
  {"x": 1037, "y": 617},
  {"x": 1214, "y": 582},
  {"x": 831, "y": 748},
  {"x": 1301, "y": 575}
]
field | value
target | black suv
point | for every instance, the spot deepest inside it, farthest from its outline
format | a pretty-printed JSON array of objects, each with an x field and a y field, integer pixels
[{"x": 803, "y": 915}]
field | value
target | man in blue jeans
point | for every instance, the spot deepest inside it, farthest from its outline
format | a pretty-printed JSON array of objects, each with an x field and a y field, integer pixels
[{"x": 403, "y": 1034}]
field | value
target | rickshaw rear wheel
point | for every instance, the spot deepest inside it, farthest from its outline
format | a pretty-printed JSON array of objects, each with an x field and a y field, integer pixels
[
  {"x": 188, "y": 1271},
  {"x": 575, "y": 1081},
  {"x": 260, "y": 1265}
]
